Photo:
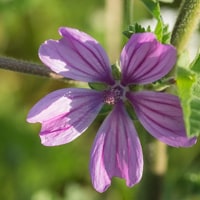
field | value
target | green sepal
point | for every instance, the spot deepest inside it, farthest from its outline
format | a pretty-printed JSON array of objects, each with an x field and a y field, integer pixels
[
  {"x": 106, "y": 109},
  {"x": 135, "y": 28},
  {"x": 163, "y": 84},
  {"x": 97, "y": 86},
  {"x": 116, "y": 71},
  {"x": 130, "y": 111},
  {"x": 166, "y": 34}
]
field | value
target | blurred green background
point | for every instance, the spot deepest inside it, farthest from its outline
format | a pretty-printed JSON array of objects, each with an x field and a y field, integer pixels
[{"x": 30, "y": 171}]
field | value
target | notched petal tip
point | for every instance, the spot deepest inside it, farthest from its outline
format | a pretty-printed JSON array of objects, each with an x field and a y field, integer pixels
[
  {"x": 162, "y": 117},
  {"x": 65, "y": 114},
  {"x": 79, "y": 35},
  {"x": 116, "y": 151},
  {"x": 144, "y": 59},
  {"x": 101, "y": 186},
  {"x": 190, "y": 141},
  {"x": 77, "y": 56}
]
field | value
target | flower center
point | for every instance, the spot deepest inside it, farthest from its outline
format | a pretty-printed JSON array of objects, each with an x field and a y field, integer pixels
[{"x": 114, "y": 94}]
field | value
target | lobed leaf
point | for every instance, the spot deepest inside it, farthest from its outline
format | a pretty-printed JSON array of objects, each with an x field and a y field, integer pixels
[
  {"x": 161, "y": 29},
  {"x": 188, "y": 83},
  {"x": 153, "y": 7}
]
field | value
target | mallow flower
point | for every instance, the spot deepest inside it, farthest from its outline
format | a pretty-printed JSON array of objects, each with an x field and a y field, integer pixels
[{"x": 66, "y": 113}]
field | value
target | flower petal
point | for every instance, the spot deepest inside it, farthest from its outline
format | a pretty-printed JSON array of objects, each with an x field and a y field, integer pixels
[
  {"x": 162, "y": 117},
  {"x": 116, "y": 151},
  {"x": 77, "y": 56},
  {"x": 145, "y": 60},
  {"x": 65, "y": 114}
]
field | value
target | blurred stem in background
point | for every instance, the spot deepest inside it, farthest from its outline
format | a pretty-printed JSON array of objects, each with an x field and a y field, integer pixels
[
  {"x": 113, "y": 28},
  {"x": 128, "y": 15}
]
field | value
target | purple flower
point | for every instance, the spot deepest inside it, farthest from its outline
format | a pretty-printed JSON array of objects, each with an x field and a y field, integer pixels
[{"x": 67, "y": 113}]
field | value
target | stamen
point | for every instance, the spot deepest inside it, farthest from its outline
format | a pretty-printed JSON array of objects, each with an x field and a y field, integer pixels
[{"x": 113, "y": 95}]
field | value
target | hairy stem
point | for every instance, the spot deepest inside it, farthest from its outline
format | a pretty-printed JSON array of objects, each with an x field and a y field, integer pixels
[
  {"x": 186, "y": 23},
  {"x": 28, "y": 68}
]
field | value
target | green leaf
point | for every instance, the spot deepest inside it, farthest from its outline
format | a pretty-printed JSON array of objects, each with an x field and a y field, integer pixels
[
  {"x": 153, "y": 7},
  {"x": 116, "y": 71},
  {"x": 195, "y": 66},
  {"x": 188, "y": 83},
  {"x": 161, "y": 29}
]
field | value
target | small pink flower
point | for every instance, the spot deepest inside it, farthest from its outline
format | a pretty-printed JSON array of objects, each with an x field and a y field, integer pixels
[{"x": 67, "y": 113}]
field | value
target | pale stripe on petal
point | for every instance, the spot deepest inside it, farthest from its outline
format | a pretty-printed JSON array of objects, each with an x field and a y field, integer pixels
[
  {"x": 116, "y": 151},
  {"x": 145, "y": 60},
  {"x": 77, "y": 56},
  {"x": 65, "y": 114},
  {"x": 162, "y": 117}
]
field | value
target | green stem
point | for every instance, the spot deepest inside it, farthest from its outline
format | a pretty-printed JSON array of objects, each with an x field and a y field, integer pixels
[
  {"x": 128, "y": 12},
  {"x": 186, "y": 23},
  {"x": 28, "y": 68},
  {"x": 131, "y": 11}
]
